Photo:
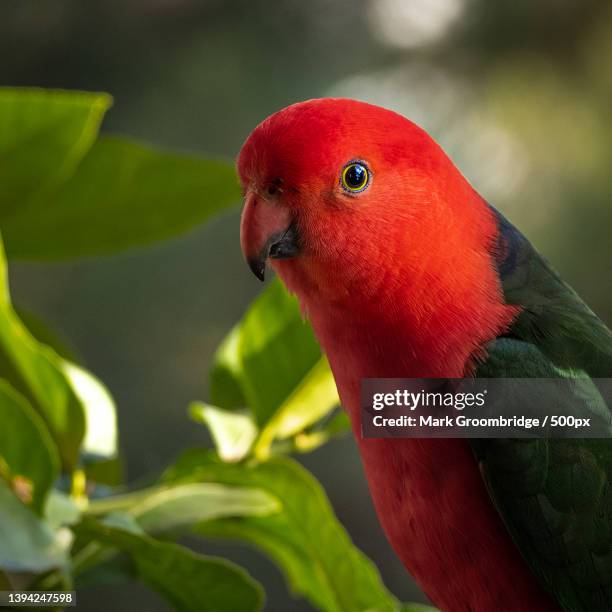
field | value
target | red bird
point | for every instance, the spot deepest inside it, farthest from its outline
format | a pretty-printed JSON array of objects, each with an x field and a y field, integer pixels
[{"x": 406, "y": 272}]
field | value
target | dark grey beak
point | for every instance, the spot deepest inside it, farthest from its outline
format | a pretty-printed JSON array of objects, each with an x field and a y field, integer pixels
[{"x": 281, "y": 245}]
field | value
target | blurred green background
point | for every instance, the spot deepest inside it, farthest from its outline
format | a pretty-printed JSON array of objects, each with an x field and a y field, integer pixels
[{"x": 517, "y": 92}]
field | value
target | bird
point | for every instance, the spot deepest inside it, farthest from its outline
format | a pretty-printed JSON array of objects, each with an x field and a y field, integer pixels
[{"x": 405, "y": 271}]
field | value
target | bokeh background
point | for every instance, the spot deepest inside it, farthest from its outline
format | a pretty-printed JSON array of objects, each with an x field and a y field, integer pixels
[{"x": 518, "y": 92}]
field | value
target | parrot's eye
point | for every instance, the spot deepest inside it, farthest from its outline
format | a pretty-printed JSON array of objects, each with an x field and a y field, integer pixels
[{"x": 355, "y": 177}]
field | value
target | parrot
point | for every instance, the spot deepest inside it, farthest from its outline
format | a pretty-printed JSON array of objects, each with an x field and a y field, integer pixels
[{"x": 405, "y": 271}]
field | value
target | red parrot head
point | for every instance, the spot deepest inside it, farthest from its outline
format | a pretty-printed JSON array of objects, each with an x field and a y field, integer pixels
[{"x": 354, "y": 205}]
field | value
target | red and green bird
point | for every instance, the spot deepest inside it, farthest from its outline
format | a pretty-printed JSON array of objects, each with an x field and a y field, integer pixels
[{"x": 405, "y": 271}]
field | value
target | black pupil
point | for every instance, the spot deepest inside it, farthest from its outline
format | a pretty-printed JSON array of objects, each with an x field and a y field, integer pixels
[{"x": 355, "y": 176}]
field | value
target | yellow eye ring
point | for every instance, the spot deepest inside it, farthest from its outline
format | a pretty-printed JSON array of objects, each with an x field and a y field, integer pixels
[{"x": 355, "y": 177}]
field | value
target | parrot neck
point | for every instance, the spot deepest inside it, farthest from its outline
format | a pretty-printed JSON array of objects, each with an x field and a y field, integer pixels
[{"x": 426, "y": 309}]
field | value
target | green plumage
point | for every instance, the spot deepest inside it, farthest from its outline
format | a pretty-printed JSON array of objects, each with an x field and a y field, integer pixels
[{"x": 554, "y": 495}]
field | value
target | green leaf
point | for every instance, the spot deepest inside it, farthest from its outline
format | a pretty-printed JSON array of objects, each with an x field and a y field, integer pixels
[
  {"x": 44, "y": 334},
  {"x": 27, "y": 543},
  {"x": 100, "y": 446},
  {"x": 305, "y": 539},
  {"x": 335, "y": 425},
  {"x": 266, "y": 357},
  {"x": 183, "y": 506},
  {"x": 272, "y": 363},
  {"x": 232, "y": 432},
  {"x": 190, "y": 582},
  {"x": 26, "y": 448},
  {"x": 37, "y": 372},
  {"x": 123, "y": 194},
  {"x": 163, "y": 509},
  {"x": 100, "y": 413},
  {"x": 338, "y": 424},
  {"x": 225, "y": 386},
  {"x": 314, "y": 397},
  {"x": 43, "y": 137},
  {"x": 64, "y": 195}
]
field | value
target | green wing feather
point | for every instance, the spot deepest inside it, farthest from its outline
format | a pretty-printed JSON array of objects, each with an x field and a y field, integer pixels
[
  {"x": 554, "y": 495},
  {"x": 553, "y": 317}
]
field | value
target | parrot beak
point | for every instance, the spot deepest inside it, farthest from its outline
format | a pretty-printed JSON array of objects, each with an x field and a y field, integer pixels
[{"x": 267, "y": 230}]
